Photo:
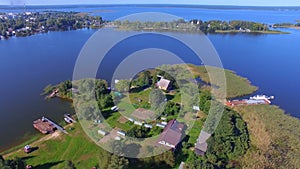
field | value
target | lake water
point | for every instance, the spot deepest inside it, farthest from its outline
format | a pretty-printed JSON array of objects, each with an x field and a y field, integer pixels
[{"x": 28, "y": 64}]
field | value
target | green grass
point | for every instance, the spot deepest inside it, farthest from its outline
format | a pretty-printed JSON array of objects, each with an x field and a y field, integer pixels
[
  {"x": 143, "y": 96},
  {"x": 195, "y": 131},
  {"x": 52, "y": 153},
  {"x": 125, "y": 107},
  {"x": 235, "y": 85},
  {"x": 113, "y": 121},
  {"x": 175, "y": 98}
]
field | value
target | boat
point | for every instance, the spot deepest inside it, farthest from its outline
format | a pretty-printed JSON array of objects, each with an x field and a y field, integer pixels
[
  {"x": 246, "y": 102},
  {"x": 261, "y": 97}
]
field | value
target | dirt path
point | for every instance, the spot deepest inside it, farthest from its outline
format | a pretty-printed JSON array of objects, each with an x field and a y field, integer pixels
[{"x": 36, "y": 143}]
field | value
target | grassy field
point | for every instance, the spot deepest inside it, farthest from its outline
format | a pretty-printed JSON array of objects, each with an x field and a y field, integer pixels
[
  {"x": 53, "y": 152},
  {"x": 140, "y": 99},
  {"x": 125, "y": 106},
  {"x": 274, "y": 137},
  {"x": 236, "y": 85},
  {"x": 113, "y": 121}
]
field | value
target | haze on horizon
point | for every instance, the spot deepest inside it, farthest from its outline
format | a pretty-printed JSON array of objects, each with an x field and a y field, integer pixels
[{"x": 179, "y": 2}]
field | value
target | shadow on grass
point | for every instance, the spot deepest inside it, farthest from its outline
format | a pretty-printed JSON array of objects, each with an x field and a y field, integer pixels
[
  {"x": 34, "y": 149},
  {"x": 169, "y": 97},
  {"x": 138, "y": 89},
  {"x": 27, "y": 157},
  {"x": 47, "y": 165},
  {"x": 107, "y": 113}
]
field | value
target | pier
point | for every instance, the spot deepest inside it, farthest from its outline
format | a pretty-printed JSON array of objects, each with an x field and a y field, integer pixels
[
  {"x": 57, "y": 126},
  {"x": 255, "y": 100},
  {"x": 46, "y": 126}
]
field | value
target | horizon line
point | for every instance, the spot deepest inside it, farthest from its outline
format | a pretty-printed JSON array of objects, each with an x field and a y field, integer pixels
[{"x": 149, "y": 5}]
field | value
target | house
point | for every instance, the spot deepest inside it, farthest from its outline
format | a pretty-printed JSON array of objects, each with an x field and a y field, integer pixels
[
  {"x": 172, "y": 134},
  {"x": 201, "y": 144},
  {"x": 163, "y": 84}
]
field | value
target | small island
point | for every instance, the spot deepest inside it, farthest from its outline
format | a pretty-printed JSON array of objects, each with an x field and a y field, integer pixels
[
  {"x": 288, "y": 25},
  {"x": 196, "y": 26}
]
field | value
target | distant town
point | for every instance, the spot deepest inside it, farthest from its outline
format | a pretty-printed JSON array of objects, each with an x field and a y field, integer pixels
[{"x": 30, "y": 23}]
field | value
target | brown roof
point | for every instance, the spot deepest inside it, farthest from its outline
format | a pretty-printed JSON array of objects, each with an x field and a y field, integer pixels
[{"x": 172, "y": 133}]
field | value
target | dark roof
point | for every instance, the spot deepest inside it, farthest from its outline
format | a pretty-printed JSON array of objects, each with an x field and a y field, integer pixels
[
  {"x": 201, "y": 145},
  {"x": 172, "y": 132}
]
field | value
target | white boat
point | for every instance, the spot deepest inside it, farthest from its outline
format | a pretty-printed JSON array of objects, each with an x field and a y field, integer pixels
[{"x": 261, "y": 97}]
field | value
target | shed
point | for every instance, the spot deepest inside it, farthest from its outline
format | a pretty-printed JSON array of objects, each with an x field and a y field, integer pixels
[
  {"x": 148, "y": 126},
  {"x": 121, "y": 132},
  {"x": 102, "y": 132}
]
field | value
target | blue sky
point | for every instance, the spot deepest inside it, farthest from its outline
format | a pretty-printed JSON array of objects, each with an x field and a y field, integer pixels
[{"x": 194, "y": 2}]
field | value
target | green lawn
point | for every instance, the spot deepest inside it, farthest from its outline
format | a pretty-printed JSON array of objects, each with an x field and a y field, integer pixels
[
  {"x": 125, "y": 107},
  {"x": 140, "y": 99},
  {"x": 195, "y": 131},
  {"x": 113, "y": 121},
  {"x": 53, "y": 153},
  {"x": 235, "y": 85}
]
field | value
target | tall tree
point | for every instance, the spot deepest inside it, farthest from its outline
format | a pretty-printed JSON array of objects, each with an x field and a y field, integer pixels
[
  {"x": 117, "y": 162},
  {"x": 156, "y": 98},
  {"x": 123, "y": 85}
]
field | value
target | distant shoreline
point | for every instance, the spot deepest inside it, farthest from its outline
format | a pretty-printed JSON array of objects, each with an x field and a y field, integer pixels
[{"x": 230, "y": 7}]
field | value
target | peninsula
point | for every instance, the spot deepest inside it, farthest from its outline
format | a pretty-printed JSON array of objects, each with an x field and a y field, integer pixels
[{"x": 246, "y": 134}]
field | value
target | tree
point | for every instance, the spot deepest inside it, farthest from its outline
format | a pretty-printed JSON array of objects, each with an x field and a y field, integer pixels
[
  {"x": 142, "y": 80},
  {"x": 122, "y": 85},
  {"x": 117, "y": 162},
  {"x": 165, "y": 160},
  {"x": 105, "y": 100},
  {"x": 104, "y": 159},
  {"x": 229, "y": 141},
  {"x": 205, "y": 98},
  {"x": 138, "y": 132},
  {"x": 171, "y": 108},
  {"x": 156, "y": 98},
  {"x": 16, "y": 163},
  {"x": 198, "y": 163}
]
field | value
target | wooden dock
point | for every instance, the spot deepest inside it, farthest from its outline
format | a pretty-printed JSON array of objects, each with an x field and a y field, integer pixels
[{"x": 46, "y": 126}]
